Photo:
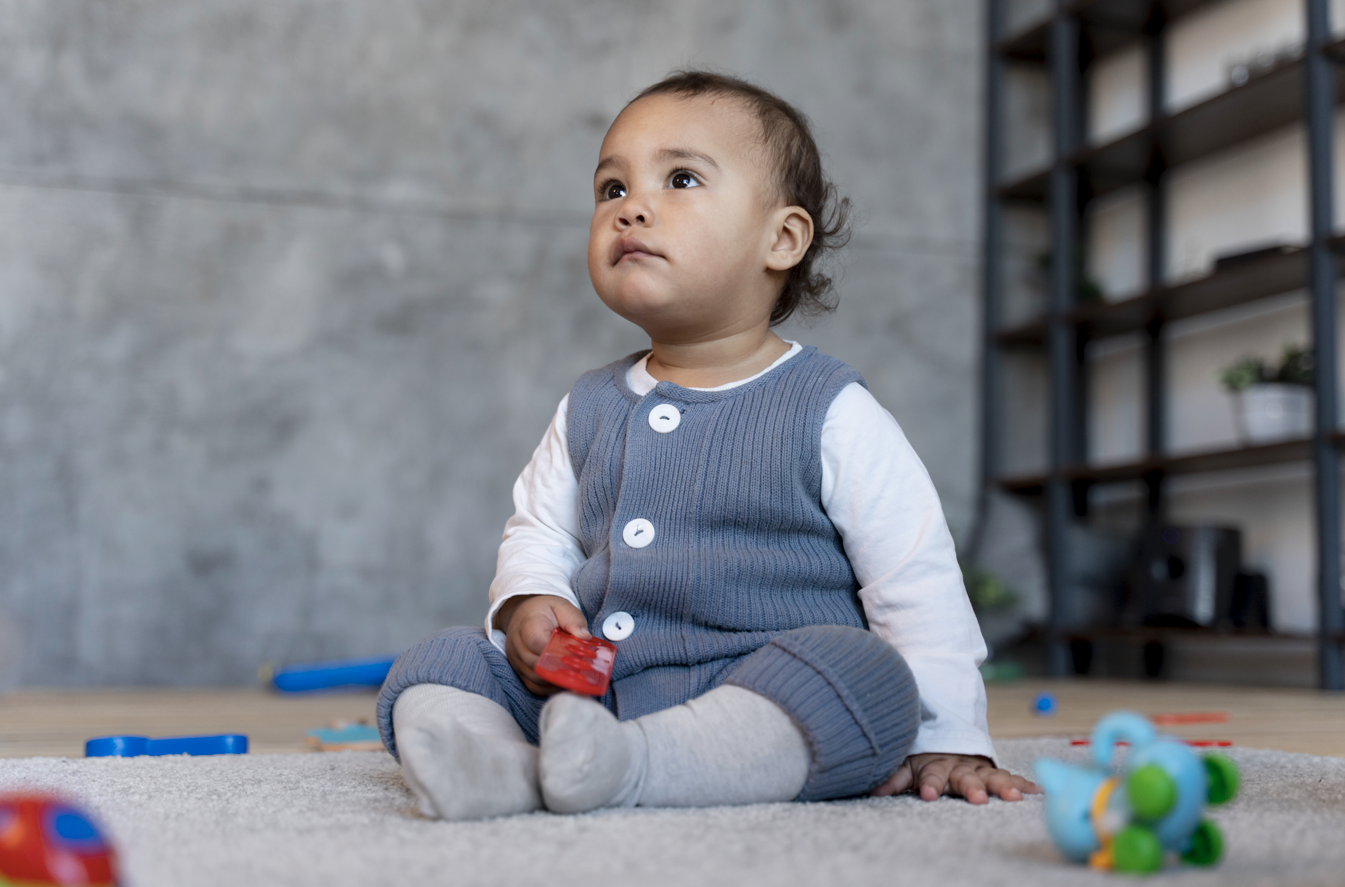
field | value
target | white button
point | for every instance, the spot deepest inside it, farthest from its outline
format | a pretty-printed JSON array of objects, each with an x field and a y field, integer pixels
[
  {"x": 638, "y": 533},
  {"x": 664, "y": 418},
  {"x": 618, "y": 626}
]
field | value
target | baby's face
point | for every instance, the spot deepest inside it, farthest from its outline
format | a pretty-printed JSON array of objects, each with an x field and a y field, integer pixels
[{"x": 684, "y": 219}]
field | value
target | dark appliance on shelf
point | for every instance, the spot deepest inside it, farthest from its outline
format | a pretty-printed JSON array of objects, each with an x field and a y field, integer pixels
[
  {"x": 1096, "y": 564},
  {"x": 1187, "y": 577},
  {"x": 1250, "y": 609}
]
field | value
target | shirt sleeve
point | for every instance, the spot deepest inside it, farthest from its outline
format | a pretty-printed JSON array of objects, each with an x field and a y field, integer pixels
[
  {"x": 541, "y": 548},
  {"x": 881, "y": 499}
]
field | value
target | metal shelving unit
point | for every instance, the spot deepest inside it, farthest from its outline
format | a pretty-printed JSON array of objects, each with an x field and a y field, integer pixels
[
  {"x": 1300, "y": 89},
  {"x": 1277, "y": 453}
]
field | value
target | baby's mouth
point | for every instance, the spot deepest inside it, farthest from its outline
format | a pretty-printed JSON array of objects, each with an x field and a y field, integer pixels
[{"x": 631, "y": 247}]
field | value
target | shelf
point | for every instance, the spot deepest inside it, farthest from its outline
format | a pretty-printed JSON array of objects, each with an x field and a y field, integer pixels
[
  {"x": 1259, "y": 278},
  {"x": 1107, "y": 25},
  {"x": 1271, "y": 104},
  {"x": 1171, "y": 466},
  {"x": 1263, "y": 104},
  {"x": 1181, "y": 635}
]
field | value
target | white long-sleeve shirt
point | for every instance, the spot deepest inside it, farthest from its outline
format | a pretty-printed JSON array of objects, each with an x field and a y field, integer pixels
[{"x": 879, "y": 496}]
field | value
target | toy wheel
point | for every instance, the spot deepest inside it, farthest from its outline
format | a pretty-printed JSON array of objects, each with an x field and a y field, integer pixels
[
  {"x": 1207, "y": 844},
  {"x": 1223, "y": 778},
  {"x": 1136, "y": 849},
  {"x": 1151, "y": 792}
]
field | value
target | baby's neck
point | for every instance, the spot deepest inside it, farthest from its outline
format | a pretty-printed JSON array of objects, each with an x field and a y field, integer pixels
[{"x": 716, "y": 362}]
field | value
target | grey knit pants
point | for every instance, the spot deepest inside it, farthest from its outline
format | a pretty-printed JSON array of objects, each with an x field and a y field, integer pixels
[{"x": 850, "y": 693}]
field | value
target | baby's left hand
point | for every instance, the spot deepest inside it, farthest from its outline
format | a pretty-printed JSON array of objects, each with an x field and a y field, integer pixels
[{"x": 972, "y": 776}]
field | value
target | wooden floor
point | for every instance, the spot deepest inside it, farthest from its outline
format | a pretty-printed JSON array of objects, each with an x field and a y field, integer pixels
[
  {"x": 1258, "y": 717},
  {"x": 58, "y": 722}
]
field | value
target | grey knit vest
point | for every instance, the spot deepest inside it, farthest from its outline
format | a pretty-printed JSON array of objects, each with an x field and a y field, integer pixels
[{"x": 742, "y": 548}]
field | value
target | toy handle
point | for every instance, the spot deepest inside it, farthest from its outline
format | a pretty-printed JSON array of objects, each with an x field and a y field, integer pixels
[{"x": 1117, "y": 727}]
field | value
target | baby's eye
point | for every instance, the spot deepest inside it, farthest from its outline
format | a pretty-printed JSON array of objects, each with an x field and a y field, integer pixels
[
  {"x": 683, "y": 179},
  {"x": 612, "y": 190}
]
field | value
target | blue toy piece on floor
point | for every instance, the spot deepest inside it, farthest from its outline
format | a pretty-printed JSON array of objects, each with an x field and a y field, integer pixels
[
  {"x": 1043, "y": 705},
  {"x": 135, "y": 746},
  {"x": 331, "y": 675},
  {"x": 1129, "y": 821},
  {"x": 345, "y": 737}
]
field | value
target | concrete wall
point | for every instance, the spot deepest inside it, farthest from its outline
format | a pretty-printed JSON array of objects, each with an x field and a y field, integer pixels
[{"x": 289, "y": 290}]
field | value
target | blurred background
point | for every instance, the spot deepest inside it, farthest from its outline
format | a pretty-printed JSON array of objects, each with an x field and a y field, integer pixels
[
  {"x": 290, "y": 289},
  {"x": 1161, "y": 326}
]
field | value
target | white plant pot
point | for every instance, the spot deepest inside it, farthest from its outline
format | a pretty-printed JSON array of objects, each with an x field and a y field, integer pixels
[{"x": 1271, "y": 411}]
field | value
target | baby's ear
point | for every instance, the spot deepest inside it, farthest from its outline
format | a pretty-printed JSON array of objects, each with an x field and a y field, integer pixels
[{"x": 792, "y": 235}]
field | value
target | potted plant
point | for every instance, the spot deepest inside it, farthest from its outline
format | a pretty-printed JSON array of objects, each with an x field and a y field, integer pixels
[
  {"x": 1087, "y": 290},
  {"x": 1272, "y": 402},
  {"x": 1001, "y": 622}
]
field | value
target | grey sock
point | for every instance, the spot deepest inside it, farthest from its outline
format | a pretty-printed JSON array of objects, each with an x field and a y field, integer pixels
[
  {"x": 463, "y": 755},
  {"x": 588, "y": 759},
  {"x": 730, "y": 746}
]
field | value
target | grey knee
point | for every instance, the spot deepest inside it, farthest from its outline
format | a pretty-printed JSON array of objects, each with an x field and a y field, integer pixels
[
  {"x": 453, "y": 657},
  {"x": 852, "y": 695}
]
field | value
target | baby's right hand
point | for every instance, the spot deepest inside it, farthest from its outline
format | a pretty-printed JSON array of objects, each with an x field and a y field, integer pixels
[{"x": 527, "y": 623}]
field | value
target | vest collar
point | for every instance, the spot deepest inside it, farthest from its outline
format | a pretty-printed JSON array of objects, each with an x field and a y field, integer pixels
[{"x": 671, "y": 391}]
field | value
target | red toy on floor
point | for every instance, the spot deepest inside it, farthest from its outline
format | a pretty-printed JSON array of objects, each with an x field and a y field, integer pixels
[{"x": 45, "y": 840}]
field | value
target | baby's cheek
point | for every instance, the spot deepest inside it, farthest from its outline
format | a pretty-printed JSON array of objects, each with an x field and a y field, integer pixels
[{"x": 595, "y": 269}]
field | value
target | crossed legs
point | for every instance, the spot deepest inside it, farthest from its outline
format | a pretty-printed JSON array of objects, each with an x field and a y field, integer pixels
[{"x": 820, "y": 712}]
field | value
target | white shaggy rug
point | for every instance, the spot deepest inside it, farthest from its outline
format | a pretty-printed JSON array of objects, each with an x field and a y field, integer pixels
[{"x": 347, "y": 818}]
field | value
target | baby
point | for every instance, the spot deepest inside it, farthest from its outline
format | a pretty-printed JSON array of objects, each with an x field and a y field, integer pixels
[{"x": 734, "y": 511}]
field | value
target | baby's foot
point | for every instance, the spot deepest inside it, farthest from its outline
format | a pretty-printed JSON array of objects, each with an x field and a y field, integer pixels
[
  {"x": 588, "y": 758},
  {"x": 458, "y": 774}
]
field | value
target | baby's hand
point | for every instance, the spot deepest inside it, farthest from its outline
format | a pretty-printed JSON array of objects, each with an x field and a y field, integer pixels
[
  {"x": 527, "y": 623},
  {"x": 972, "y": 776}
]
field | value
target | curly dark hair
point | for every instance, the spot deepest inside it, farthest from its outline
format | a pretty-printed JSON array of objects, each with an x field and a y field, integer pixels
[{"x": 800, "y": 180}]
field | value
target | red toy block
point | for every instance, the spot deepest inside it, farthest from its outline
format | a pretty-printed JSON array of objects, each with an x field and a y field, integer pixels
[{"x": 584, "y": 666}]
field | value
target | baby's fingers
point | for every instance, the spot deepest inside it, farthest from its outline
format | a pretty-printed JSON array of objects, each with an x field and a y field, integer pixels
[
  {"x": 1005, "y": 785},
  {"x": 934, "y": 779},
  {"x": 533, "y": 635},
  {"x": 897, "y": 783},
  {"x": 968, "y": 783},
  {"x": 571, "y": 619}
]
